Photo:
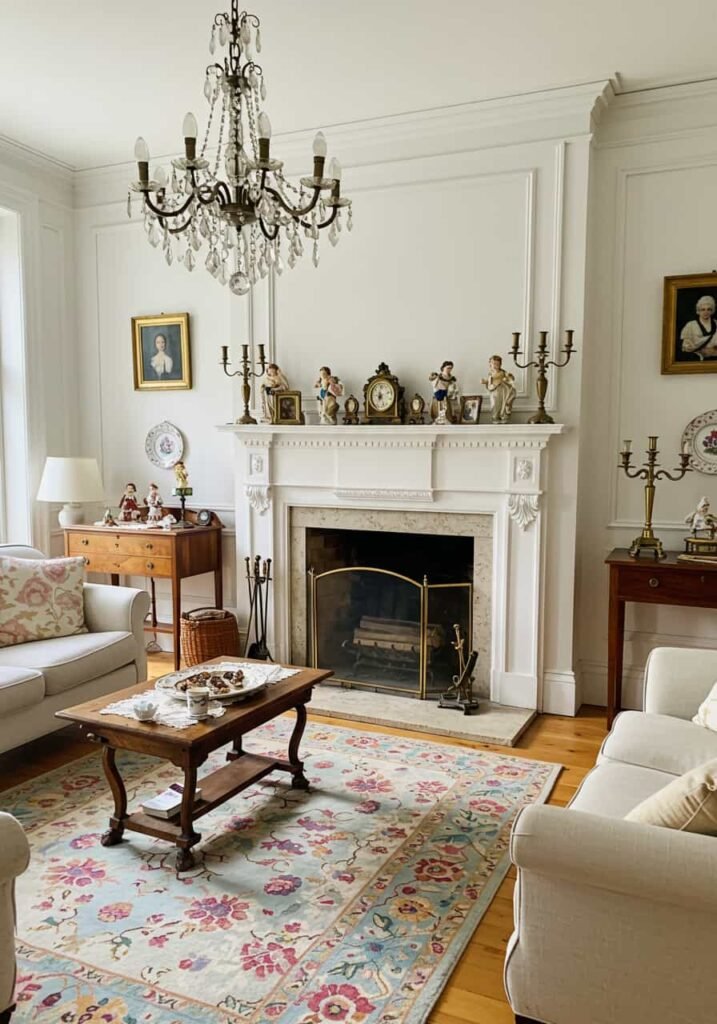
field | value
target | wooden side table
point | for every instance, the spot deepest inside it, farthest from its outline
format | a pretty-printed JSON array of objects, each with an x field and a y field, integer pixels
[
  {"x": 649, "y": 581},
  {"x": 159, "y": 554}
]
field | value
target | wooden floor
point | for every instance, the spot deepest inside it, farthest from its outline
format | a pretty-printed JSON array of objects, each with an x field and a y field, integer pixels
[{"x": 474, "y": 994}]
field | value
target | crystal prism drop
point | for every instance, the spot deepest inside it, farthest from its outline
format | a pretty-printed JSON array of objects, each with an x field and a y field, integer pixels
[
  {"x": 263, "y": 267},
  {"x": 208, "y": 88},
  {"x": 222, "y": 275},
  {"x": 279, "y": 265},
  {"x": 263, "y": 89},
  {"x": 315, "y": 256},
  {"x": 169, "y": 255},
  {"x": 129, "y": 204},
  {"x": 257, "y": 40},
  {"x": 194, "y": 240},
  {"x": 333, "y": 234},
  {"x": 245, "y": 31},
  {"x": 239, "y": 283},
  {"x": 223, "y": 34},
  {"x": 350, "y": 220},
  {"x": 189, "y": 261},
  {"x": 213, "y": 39},
  {"x": 154, "y": 235},
  {"x": 291, "y": 260},
  {"x": 175, "y": 183}
]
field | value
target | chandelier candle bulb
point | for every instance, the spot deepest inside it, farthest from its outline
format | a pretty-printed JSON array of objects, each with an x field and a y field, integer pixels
[
  {"x": 141, "y": 154},
  {"x": 264, "y": 125},
  {"x": 225, "y": 354},
  {"x": 516, "y": 342},
  {"x": 334, "y": 169}
]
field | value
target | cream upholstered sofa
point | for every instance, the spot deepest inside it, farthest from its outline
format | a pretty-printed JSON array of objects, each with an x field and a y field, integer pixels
[
  {"x": 615, "y": 921},
  {"x": 14, "y": 858},
  {"x": 41, "y": 677}
]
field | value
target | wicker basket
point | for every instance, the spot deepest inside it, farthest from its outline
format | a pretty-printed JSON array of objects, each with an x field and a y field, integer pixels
[{"x": 204, "y": 636}]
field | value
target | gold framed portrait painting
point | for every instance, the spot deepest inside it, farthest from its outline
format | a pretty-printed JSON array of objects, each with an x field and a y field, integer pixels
[
  {"x": 286, "y": 408},
  {"x": 689, "y": 324},
  {"x": 160, "y": 352}
]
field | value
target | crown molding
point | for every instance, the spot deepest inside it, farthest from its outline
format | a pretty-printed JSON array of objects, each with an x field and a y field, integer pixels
[
  {"x": 569, "y": 112},
  {"x": 658, "y": 112},
  {"x": 31, "y": 171}
]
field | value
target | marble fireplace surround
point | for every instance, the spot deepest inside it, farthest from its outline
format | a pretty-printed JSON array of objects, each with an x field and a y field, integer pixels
[
  {"x": 479, "y": 527},
  {"x": 499, "y": 472}
]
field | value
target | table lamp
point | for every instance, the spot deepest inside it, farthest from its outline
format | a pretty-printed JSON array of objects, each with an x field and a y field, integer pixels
[{"x": 71, "y": 480}]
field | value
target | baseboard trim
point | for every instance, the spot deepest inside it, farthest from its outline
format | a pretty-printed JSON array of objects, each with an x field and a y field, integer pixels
[{"x": 560, "y": 695}]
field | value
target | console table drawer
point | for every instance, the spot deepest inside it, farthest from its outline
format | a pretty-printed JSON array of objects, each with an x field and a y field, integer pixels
[
  {"x": 120, "y": 544},
  {"x": 128, "y": 565},
  {"x": 668, "y": 586}
]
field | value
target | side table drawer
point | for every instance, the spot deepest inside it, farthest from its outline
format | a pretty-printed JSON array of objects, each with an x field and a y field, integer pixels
[
  {"x": 668, "y": 586},
  {"x": 119, "y": 544},
  {"x": 129, "y": 565}
]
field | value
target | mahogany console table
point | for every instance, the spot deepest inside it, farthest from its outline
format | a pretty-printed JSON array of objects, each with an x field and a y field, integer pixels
[
  {"x": 649, "y": 581},
  {"x": 156, "y": 553}
]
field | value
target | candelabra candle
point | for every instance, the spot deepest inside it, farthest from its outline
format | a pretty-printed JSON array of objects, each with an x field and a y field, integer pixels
[
  {"x": 647, "y": 541},
  {"x": 541, "y": 362},
  {"x": 246, "y": 373}
]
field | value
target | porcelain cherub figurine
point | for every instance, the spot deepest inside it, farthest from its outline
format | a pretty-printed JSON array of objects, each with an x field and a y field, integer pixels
[
  {"x": 180, "y": 475},
  {"x": 501, "y": 388},
  {"x": 129, "y": 509},
  {"x": 702, "y": 519},
  {"x": 330, "y": 389},
  {"x": 274, "y": 381},
  {"x": 445, "y": 394},
  {"x": 154, "y": 503}
]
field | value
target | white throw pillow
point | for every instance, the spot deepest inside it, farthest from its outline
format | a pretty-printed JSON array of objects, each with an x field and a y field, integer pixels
[
  {"x": 40, "y": 599},
  {"x": 688, "y": 803},
  {"x": 707, "y": 711}
]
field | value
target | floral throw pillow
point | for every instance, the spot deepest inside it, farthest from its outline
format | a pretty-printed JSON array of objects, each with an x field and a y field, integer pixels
[
  {"x": 40, "y": 599},
  {"x": 707, "y": 711}
]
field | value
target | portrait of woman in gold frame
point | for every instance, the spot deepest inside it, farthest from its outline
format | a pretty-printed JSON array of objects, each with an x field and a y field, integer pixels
[
  {"x": 689, "y": 324},
  {"x": 160, "y": 352}
]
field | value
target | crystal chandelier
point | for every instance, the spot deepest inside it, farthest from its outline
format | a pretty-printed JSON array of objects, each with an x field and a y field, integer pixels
[{"x": 239, "y": 204}]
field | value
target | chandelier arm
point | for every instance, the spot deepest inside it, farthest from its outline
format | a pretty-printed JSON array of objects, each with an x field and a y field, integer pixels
[
  {"x": 294, "y": 211},
  {"x": 266, "y": 231},
  {"x": 180, "y": 229},
  {"x": 159, "y": 212},
  {"x": 323, "y": 223}
]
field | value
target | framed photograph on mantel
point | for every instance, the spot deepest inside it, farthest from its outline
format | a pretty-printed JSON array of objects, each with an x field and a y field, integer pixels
[
  {"x": 160, "y": 352},
  {"x": 689, "y": 324}
]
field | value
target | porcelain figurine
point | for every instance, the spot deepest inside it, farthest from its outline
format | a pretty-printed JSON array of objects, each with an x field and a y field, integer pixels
[
  {"x": 154, "y": 503},
  {"x": 702, "y": 520},
  {"x": 180, "y": 475},
  {"x": 274, "y": 381},
  {"x": 330, "y": 390},
  {"x": 129, "y": 509},
  {"x": 108, "y": 519},
  {"x": 445, "y": 394},
  {"x": 500, "y": 386}
]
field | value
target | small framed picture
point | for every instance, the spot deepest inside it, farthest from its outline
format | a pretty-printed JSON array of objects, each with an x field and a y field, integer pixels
[
  {"x": 287, "y": 408},
  {"x": 689, "y": 324},
  {"x": 160, "y": 351},
  {"x": 470, "y": 408}
]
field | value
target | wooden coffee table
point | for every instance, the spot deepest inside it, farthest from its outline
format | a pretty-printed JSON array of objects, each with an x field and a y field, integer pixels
[{"x": 189, "y": 748}]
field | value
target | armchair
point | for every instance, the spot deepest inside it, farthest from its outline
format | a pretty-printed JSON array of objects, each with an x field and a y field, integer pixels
[
  {"x": 615, "y": 920},
  {"x": 14, "y": 858}
]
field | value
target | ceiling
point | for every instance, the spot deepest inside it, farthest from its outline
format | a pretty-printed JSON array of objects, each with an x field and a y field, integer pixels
[{"x": 79, "y": 80}]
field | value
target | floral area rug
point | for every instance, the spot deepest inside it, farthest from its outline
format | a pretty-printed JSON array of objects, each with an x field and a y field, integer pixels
[{"x": 351, "y": 902}]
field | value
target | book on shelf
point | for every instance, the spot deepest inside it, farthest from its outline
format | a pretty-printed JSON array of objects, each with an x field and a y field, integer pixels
[{"x": 168, "y": 803}]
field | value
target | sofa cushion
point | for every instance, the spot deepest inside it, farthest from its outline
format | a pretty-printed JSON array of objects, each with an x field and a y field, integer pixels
[
  {"x": 20, "y": 688},
  {"x": 707, "y": 711},
  {"x": 612, "y": 790},
  {"x": 40, "y": 598},
  {"x": 70, "y": 660},
  {"x": 658, "y": 741},
  {"x": 688, "y": 803}
]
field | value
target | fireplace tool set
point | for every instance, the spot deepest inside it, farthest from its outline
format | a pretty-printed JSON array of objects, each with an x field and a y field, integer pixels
[
  {"x": 258, "y": 577},
  {"x": 459, "y": 696}
]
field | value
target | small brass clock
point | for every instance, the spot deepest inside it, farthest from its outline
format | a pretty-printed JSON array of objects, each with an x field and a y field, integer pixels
[
  {"x": 383, "y": 397},
  {"x": 416, "y": 409},
  {"x": 351, "y": 409}
]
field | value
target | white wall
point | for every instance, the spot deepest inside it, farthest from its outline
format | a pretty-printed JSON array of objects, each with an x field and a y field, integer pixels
[
  {"x": 469, "y": 224},
  {"x": 654, "y": 197}
]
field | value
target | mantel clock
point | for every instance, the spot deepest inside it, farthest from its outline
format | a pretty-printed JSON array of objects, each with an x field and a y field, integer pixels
[{"x": 383, "y": 400}]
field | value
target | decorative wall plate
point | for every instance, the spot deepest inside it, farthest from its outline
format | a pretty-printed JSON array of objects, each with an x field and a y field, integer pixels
[
  {"x": 700, "y": 436},
  {"x": 164, "y": 445}
]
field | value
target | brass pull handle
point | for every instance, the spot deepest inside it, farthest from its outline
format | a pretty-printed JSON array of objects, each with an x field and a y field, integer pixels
[
  {"x": 84, "y": 541},
  {"x": 150, "y": 565},
  {"x": 150, "y": 547},
  {"x": 653, "y": 581}
]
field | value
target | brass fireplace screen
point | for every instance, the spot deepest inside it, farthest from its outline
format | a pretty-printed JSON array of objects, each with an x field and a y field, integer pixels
[{"x": 381, "y": 630}]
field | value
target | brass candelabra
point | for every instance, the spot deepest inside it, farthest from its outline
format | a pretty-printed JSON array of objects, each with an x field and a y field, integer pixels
[
  {"x": 647, "y": 541},
  {"x": 541, "y": 362},
  {"x": 246, "y": 373}
]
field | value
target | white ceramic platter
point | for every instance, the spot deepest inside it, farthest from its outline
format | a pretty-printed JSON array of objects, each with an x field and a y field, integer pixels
[
  {"x": 700, "y": 436},
  {"x": 164, "y": 445},
  {"x": 167, "y": 684}
]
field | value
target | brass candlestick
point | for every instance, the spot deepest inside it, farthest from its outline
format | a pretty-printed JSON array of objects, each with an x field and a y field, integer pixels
[
  {"x": 647, "y": 541},
  {"x": 246, "y": 373},
  {"x": 540, "y": 362}
]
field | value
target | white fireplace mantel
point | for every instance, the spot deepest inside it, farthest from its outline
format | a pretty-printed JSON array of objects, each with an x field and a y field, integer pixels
[{"x": 498, "y": 470}]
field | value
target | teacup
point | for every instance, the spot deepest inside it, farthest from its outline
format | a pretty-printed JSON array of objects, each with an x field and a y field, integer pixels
[
  {"x": 145, "y": 709},
  {"x": 198, "y": 702}
]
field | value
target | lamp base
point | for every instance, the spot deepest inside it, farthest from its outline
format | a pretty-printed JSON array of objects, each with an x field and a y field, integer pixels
[
  {"x": 71, "y": 514},
  {"x": 646, "y": 543}
]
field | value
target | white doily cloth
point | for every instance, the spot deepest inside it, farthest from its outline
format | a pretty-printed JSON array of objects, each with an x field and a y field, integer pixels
[{"x": 173, "y": 712}]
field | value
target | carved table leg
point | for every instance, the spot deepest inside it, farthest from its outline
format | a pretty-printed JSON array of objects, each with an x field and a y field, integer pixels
[
  {"x": 117, "y": 822},
  {"x": 237, "y": 749},
  {"x": 189, "y": 837},
  {"x": 299, "y": 780}
]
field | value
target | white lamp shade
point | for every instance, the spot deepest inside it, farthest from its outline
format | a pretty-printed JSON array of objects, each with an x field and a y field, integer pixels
[{"x": 72, "y": 479}]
